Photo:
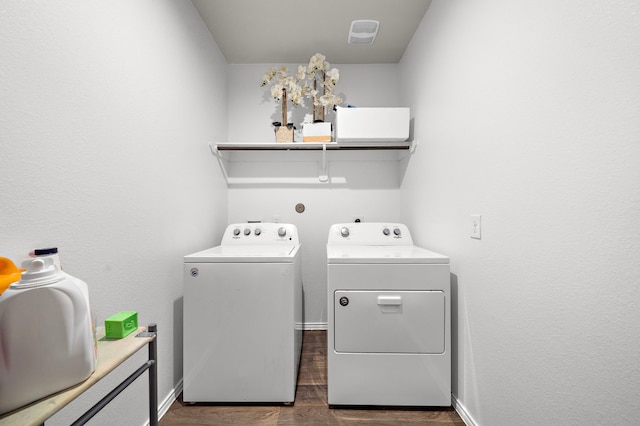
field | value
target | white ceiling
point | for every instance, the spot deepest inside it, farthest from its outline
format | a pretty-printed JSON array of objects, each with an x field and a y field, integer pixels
[{"x": 291, "y": 31}]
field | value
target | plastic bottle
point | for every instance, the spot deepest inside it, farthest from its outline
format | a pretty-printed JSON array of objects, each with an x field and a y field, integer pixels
[{"x": 46, "y": 334}]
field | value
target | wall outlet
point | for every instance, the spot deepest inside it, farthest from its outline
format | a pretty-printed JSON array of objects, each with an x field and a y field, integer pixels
[
  {"x": 357, "y": 218},
  {"x": 476, "y": 226}
]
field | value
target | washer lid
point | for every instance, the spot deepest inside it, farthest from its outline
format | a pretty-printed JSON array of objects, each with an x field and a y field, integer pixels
[
  {"x": 383, "y": 254},
  {"x": 245, "y": 254}
]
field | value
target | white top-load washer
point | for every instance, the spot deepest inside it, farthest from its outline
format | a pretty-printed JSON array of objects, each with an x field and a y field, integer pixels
[
  {"x": 243, "y": 316},
  {"x": 389, "y": 329}
]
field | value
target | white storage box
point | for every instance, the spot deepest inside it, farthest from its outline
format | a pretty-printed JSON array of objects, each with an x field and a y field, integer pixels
[
  {"x": 316, "y": 132},
  {"x": 372, "y": 124}
]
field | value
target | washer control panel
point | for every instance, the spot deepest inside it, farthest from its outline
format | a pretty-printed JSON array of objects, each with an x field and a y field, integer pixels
[
  {"x": 369, "y": 233},
  {"x": 260, "y": 234}
]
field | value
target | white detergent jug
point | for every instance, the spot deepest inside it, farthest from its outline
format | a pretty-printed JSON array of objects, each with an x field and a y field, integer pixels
[{"x": 46, "y": 334}]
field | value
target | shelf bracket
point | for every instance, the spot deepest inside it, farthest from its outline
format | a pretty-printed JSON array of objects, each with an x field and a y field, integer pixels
[
  {"x": 412, "y": 146},
  {"x": 216, "y": 153},
  {"x": 214, "y": 149},
  {"x": 324, "y": 176}
]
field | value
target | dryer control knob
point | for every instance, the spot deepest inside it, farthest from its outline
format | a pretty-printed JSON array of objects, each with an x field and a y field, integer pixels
[
  {"x": 257, "y": 231},
  {"x": 396, "y": 231},
  {"x": 282, "y": 231},
  {"x": 386, "y": 231},
  {"x": 247, "y": 231},
  {"x": 344, "y": 232},
  {"x": 236, "y": 232}
]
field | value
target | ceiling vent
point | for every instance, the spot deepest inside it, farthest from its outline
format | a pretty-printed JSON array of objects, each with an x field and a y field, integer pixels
[{"x": 363, "y": 32}]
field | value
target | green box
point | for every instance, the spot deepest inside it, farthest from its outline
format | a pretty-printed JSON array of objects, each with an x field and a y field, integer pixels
[{"x": 121, "y": 324}]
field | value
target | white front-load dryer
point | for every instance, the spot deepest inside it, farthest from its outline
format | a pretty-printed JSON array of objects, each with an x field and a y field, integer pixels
[
  {"x": 389, "y": 329},
  {"x": 243, "y": 317}
]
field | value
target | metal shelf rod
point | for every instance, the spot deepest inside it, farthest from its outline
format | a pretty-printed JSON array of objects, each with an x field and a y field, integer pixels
[{"x": 309, "y": 146}]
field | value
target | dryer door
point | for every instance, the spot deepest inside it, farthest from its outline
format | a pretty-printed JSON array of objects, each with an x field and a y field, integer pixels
[{"x": 389, "y": 321}]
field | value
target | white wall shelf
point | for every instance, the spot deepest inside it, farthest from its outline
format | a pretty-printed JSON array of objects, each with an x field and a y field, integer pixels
[
  {"x": 318, "y": 146},
  {"x": 308, "y": 163}
]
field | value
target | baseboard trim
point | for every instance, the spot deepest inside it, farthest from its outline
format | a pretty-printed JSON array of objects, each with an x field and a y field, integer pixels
[
  {"x": 455, "y": 402},
  {"x": 314, "y": 326},
  {"x": 462, "y": 411},
  {"x": 169, "y": 399},
  {"x": 173, "y": 394}
]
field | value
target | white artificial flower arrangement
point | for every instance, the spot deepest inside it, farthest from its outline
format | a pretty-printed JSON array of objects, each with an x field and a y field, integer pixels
[
  {"x": 285, "y": 87},
  {"x": 324, "y": 81},
  {"x": 317, "y": 81},
  {"x": 285, "y": 84}
]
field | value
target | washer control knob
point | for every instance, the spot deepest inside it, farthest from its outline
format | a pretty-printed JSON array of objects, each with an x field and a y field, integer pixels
[
  {"x": 257, "y": 231},
  {"x": 397, "y": 231},
  {"x": 386, "y": 231},
  {"x": 236, "y": 232},
  {"x": 344, "y": 232},
  {"x": 282, "y": 231},
  {"x": 247, "y": 231}
]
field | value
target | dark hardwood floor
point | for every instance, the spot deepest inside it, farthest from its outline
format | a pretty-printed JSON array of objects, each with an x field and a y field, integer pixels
[{"x": 310, "y": 407}]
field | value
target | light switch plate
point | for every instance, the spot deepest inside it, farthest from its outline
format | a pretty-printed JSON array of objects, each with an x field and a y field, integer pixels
[{"x": 476, "y": 226}]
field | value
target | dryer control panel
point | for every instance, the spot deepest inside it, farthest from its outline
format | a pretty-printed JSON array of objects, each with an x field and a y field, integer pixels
[
  {"x": 260, "y": 234},
  {"x": 370, "y": 234}
]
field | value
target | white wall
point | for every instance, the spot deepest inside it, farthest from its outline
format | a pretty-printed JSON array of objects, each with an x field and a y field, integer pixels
[
  {"x": 105, "y": 112},
  {"x": 365, "y": 184},
  {"x": 527, "y": 113}
]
